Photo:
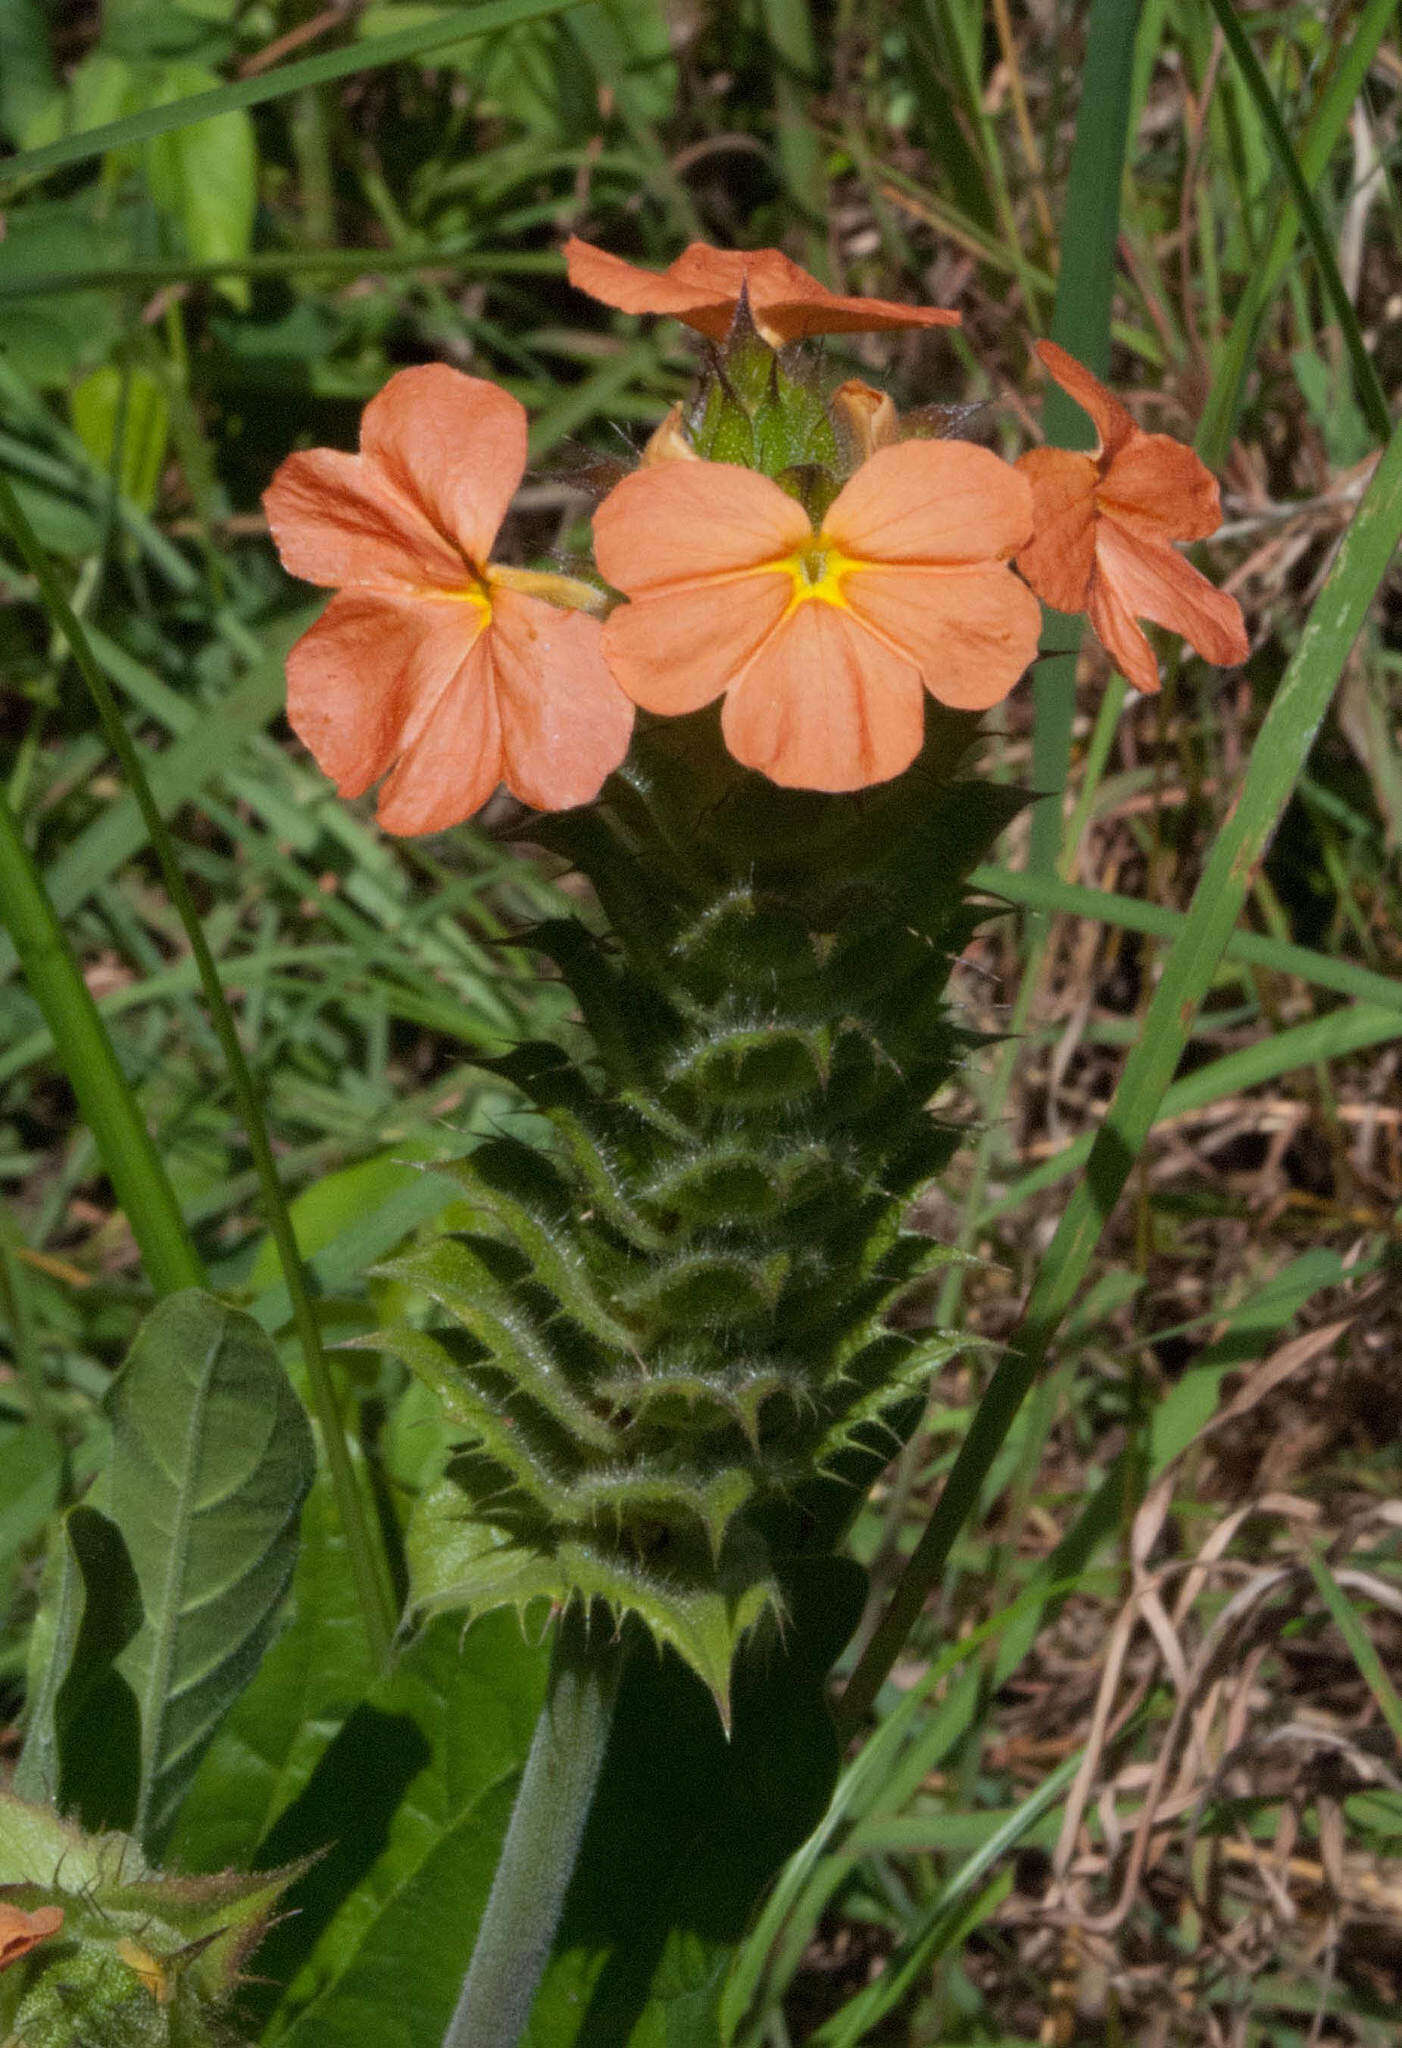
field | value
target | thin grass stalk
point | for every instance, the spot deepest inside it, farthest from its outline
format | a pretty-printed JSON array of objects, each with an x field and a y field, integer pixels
[
  {"x": 1277, "y": 760},
  {"x": 110, "y": 1109},
  {"x": 367, "y": 1565}
]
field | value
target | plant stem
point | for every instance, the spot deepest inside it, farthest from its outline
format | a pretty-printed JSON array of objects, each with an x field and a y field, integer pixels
[
  {"x": 366, "y": 1559},
  {"x": 542, "y": 1842}
]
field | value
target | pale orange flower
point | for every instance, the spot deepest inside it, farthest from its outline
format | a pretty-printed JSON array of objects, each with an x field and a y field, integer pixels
[
  {"x": 1102, "y": 528},
  {"x": 20, "y": 1931},
  {"x": 453, "y": 671},
  {"x": 825, "y": 642},
  {"x": 703, "y": 287}
]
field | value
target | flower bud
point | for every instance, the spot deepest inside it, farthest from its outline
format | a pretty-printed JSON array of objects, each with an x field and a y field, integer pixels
[
  {"x": 668, "y": 442},
  {"x": 865, "y": 420}
]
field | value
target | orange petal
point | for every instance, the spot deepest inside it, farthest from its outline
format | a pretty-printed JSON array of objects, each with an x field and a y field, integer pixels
[
  {"x": 1123, "y": 639},
  {"x": 20, "y": 1931},
  {"x": 931, "y": 501},
  {"x": 455, "y": 760},
  {"x": 1059, "y": 560},
  {"x": 969, "y": 631},
  {"x": 677, "y": 650},
  {"x": 454, "y": 445},
  {"x": 1158, "y": 487},
  {"x": 1155, "y": 582},
  {"x": 682, "y": 522},
  {"x": 1112, "y": 422},
  {"x": 703, "y": 286},
  {"x": 825, "y": 705},
  {"x": 367, "y": 676},
  {"x": 565, "y": 724},
  {"x": 339, "y": 522}
]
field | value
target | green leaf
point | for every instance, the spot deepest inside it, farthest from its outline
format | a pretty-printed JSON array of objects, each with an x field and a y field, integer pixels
[
  {"x": 27, "y": 81},
  {"x": 82, "y": 1752},
  {"x": 211, "y": 1459},
  {"x": 413, "y": 1797},
  {"x": 206, "y": 175},
  {"x": 31, "y": 1469},
  {"x": 282, "y": 1723},
  {"x": 142, "y": 417}
]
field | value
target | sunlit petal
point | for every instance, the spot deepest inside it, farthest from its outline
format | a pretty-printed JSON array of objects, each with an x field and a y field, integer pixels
[
  {"x": 369, "y": 674},
  {"x": 455, "y": 760},
  {"x": 825, "y": 705},
  {"x": 1120, "y": 634},
  {"x": 676, "y": 650},
  {"x": 931, "y": 501},
  {"x": 565, "y": 723},
  {"x": 682, "y": 522},
  {"x": 971, "y": 632},
  {"x": 339, "y": 521},
  {"x": 455, "y": 445}
]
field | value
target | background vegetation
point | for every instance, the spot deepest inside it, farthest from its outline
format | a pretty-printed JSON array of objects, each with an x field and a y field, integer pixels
[{"x": 1136, "y": 1775}]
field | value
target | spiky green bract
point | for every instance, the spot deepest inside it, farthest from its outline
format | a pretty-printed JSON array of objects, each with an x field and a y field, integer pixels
[
  {"x": 657, "y": 1337},
  {"x": 144, "y": 1959}
]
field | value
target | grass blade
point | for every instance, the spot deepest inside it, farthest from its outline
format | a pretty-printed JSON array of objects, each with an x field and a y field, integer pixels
[
  {"x": 1370, "y": 392},
  {"x": 110, "y": 1110},
  {"x": 371, "y": 55},
  {"x": 1322, "y": 132}
]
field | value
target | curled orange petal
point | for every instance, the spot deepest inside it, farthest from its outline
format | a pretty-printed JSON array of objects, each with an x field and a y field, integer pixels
[
  {"x": 1155, "y": 582},
  {"x": 1158, "y": 487},
  {"x": 20, "y": 1931},
  {"x": 1112, "y": 422},
  {"x": 1059, "y": 559},
  {"x": 703, "y": 288}
]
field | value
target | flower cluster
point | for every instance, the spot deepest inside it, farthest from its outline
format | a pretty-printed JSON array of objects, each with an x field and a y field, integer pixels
[{"x": 817, "y": 565}]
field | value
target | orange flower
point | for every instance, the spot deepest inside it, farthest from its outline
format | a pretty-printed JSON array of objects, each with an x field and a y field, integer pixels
[
  {"x": 21, "y": 1931},
  {"x": 453, "y": 671},
  {"x": 703, "y": 288},
  {"x": 1102, "y": 525},
  {"x": 822, "y": 641}
]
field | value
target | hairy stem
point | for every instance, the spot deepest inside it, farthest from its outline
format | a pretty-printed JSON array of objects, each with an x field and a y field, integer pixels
[{"x": 542, "y": 1842}]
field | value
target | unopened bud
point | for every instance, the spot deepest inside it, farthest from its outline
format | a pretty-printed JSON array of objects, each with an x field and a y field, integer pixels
[
  {"x": 865, "y": 419},
  {"x": 668, "y": 442}
]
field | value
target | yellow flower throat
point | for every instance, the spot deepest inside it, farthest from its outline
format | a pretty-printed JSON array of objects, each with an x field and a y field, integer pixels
[{"x": 818, "y": 570}]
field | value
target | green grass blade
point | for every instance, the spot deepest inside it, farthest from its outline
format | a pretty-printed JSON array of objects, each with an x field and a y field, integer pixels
[
  {"x": 466, "y": 259},
  {"x": 1081, "y": 324},
  {"x": 1360, "y": 1644},
  {"x": 408, "y": 44},
  {"x": 1276, "y": 763},
  {"x": 109, "y": 1108},
  {"x": 1252, "y": 949},
  {"x": 1316, "y": 146},
  {"x": 1283, "y": 1052},
  {"x": 1365, "y": 377}
]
